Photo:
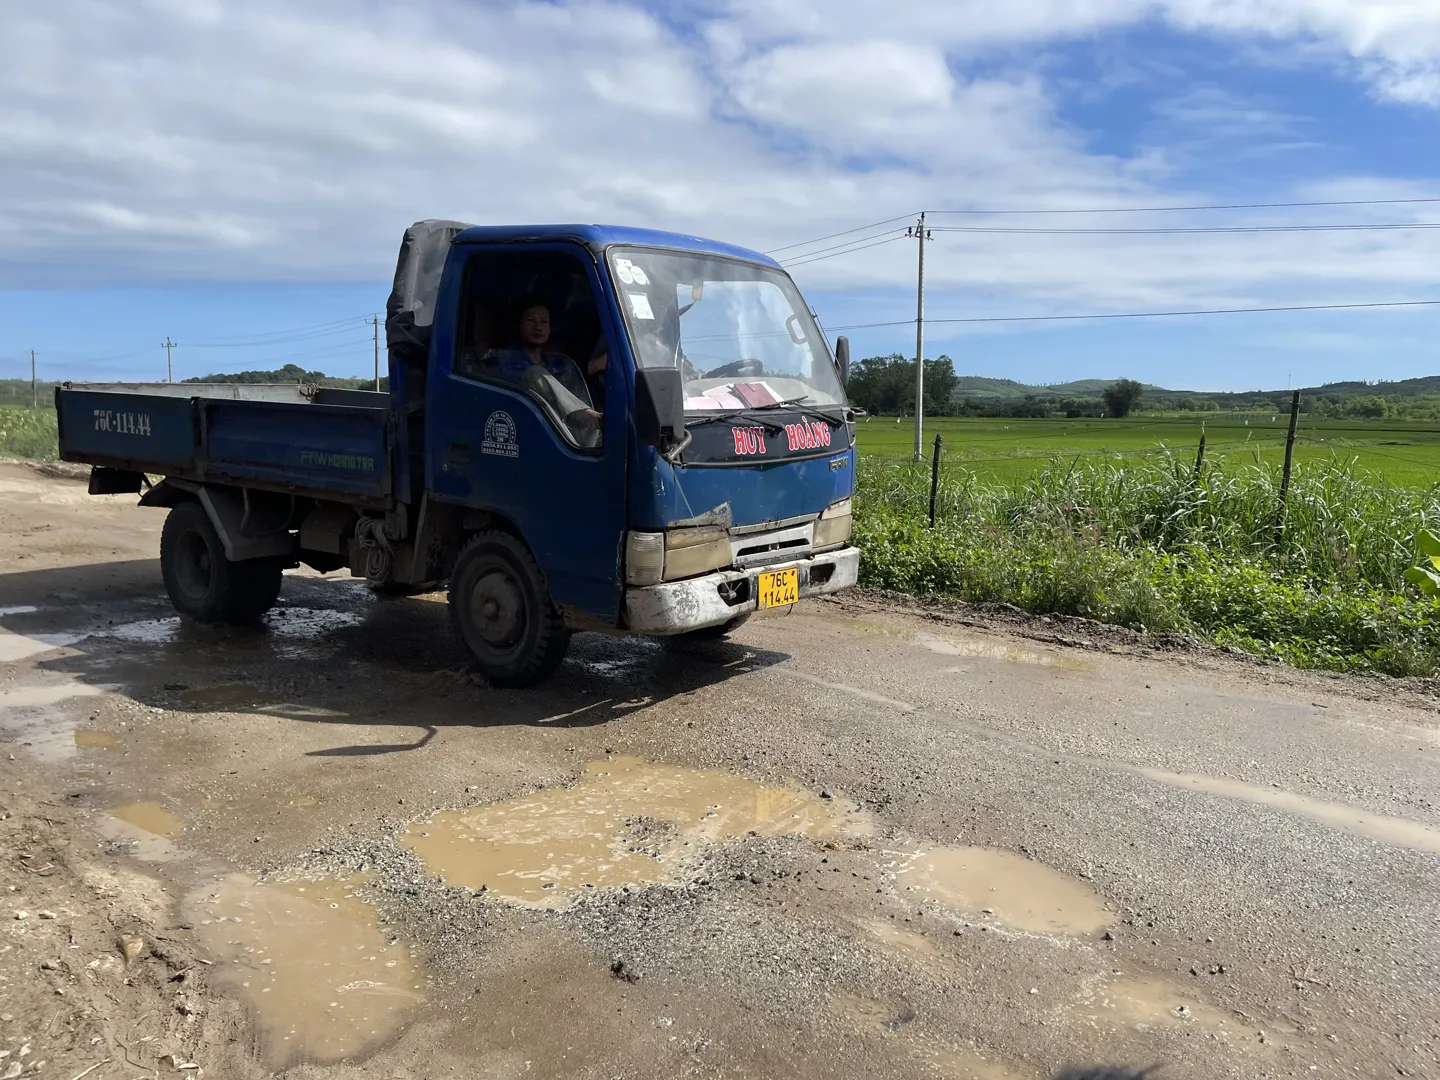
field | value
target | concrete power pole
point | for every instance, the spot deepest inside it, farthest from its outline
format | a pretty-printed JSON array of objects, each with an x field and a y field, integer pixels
[
  {"x": 375, "y": 322},
  {"x": 919, "y": 232},
  {"x": 167, "y": 345},
  {"x": 34, "y": 393}
]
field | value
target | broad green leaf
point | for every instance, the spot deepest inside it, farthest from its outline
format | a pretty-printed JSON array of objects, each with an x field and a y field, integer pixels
[
  {"x": 1427, "y": 581},
  {"x": 1428, "y": 543}
]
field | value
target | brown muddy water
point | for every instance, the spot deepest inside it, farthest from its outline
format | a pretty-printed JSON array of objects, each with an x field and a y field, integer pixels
[
  {"x": 625, "y": 822},
  {"x": 307, "y": 956},
  {"x": 1016, "y": 891}
]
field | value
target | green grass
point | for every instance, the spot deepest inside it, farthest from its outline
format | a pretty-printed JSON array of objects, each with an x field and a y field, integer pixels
[
  {"x": 28, "y": 433},
  {"x": 1147, "y": 544},
  {"x": 1406, "y": 453}
]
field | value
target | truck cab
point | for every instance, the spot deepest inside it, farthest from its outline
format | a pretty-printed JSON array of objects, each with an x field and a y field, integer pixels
[{"x": 588, "y": 428}]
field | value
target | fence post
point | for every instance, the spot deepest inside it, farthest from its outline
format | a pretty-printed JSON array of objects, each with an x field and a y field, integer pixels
[
  {"x": 1200, "y": 454},
  {"x": 934, "y": 478},
  {"x": 1289, "y": 453}
]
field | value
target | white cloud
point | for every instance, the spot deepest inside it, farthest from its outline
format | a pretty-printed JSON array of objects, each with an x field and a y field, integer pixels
[{"x": 238, "y": 139}]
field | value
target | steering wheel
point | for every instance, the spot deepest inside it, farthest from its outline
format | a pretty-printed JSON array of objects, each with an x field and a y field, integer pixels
[{"x": 739, "y": 367}]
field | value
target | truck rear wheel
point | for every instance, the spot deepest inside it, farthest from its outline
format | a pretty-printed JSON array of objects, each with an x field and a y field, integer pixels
[
  {"x": 503, "y": 612},
  {"x": 205, "y": 585}
]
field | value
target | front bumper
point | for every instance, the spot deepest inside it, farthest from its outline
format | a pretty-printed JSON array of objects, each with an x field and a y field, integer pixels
[{"x": 676, "y": 607}]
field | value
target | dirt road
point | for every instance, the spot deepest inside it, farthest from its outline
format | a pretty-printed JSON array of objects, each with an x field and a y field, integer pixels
[{"x": 852, "y": 842}]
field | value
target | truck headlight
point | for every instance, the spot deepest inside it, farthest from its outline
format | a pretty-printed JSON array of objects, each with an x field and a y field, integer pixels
[
  {"x": 644, "y": 558},
  {"x": 833, "y": 528},
  {"x": 694, "y": 551}
]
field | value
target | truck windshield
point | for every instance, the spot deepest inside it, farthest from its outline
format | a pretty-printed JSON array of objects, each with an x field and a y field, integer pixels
[{"x": 739, "y": 332}]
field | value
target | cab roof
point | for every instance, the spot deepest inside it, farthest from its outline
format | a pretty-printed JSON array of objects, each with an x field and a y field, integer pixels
[{"x": 601, "y": 236}]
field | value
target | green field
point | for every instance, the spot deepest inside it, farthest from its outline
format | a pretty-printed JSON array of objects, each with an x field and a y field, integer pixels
[{"x": 1404, "y": 453}]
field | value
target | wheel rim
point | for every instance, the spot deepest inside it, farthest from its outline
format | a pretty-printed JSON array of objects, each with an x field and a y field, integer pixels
[
  {"x": 192, "y": 564},
  {"x": 498, "y": 612}
]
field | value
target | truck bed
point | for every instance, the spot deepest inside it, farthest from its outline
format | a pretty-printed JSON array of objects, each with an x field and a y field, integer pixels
[{"x": 325, "y": 443}]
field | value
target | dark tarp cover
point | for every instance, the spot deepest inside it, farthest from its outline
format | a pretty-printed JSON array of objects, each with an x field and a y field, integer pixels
[{"x": 411, "y": 307}]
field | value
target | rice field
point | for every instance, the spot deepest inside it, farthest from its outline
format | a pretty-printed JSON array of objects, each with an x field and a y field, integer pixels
[{"x": 1403, "y": 453}]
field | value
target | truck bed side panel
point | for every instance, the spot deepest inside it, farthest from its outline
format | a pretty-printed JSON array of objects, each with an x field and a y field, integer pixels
[
  {"x": 136, "y": 431},
  {"x": 331, "y": 448}
]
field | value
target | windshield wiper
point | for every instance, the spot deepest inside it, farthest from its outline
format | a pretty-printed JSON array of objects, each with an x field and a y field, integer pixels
[
  {"x": 799, "y": 405},
  {"x": 771, "y": 428}
]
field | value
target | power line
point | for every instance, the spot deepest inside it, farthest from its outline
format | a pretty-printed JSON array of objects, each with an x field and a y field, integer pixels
[
  {"x": 1153, "y": 314},
  {"x": 1223, "y": 206},
  {"x": 1176, "y": 231},
  {"x": 847, "y": 232},
  {"x": 805, "y": 260},
  {"x": 269, "y": 337}
]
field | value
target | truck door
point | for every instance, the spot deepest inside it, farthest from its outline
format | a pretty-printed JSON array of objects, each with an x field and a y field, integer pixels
[{"x": 523, "y": 420}]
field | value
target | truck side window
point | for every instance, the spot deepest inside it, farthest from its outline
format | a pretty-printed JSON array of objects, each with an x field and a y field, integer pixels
[{"x": 529, "y": 320}]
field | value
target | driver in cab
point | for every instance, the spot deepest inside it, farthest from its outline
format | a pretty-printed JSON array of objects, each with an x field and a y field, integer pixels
[{"x": 553, "y": 376}]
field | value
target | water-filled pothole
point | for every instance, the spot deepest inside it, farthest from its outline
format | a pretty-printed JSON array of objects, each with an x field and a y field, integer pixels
[
  {"x": 1388, "y": 830},
  {"x": 322, "y": 979},
  {"x": 625, "y": 822},
  {"x": 1153, "y": 1003},
  {"x": 973, "y": 647},
  {"x": 1016, "y": 891},
  {"x": 96, "y": 740}
]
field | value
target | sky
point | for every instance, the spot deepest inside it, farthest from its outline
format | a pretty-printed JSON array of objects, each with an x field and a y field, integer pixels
[{"x": 235, "y": 175}]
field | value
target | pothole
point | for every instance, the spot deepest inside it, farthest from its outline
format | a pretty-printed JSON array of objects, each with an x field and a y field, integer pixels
[
  {"x": 96, "y": 740},
  {"x": 15, "y": 646},
  {"x": 1016, "y": 891},
  {"x": 142, "y": 830},
  {"x": 1352, "y": 819},
  {"x": 1153, "y": 1003},
  {"x": 625, "y": 822},
  {"x": 975, "y": 648},
  {"x": 323, "y": 981},
  {"x": 897, "y": 939},
  {"x": 223, "y": 697}
]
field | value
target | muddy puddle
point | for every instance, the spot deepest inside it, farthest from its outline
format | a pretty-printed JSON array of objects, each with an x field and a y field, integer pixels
[
  {"x": 322, "y": 980},
  {"x": 955, "y": 1064},
  {"x": 142, "y": 830},
  {"x": 15, "y": 646},
  {"x": 625, "y": 822},
  {"x": 18, "y": 609},
  {"x": 973, "y": 648},
  {"x": 1387, "y": 830},
  {"x": 96, "y": 740},
  {"x": 29, "y": 717},
  {"x": 290, "y": 630},
  {"x": 1011, "y": 889},
  {"x": 900, "y": 941},
  {"x": 1150, "y": 1002}
]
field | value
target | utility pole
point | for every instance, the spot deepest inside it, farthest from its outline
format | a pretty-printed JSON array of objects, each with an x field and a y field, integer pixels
[
  {"x": 34, "y": 393},
  {"x": 919, "y": 232},
  {"x": 167, "y": 345},
  {"x": 375, "y": 322}
]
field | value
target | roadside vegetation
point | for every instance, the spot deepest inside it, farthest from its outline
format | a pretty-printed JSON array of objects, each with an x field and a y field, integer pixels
[
  {"x": 1153, "y": 545},
  {"x": 28, "y": 433}
]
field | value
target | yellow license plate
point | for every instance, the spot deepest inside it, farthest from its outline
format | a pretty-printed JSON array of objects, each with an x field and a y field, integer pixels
[{"x": 778, "y": 588}]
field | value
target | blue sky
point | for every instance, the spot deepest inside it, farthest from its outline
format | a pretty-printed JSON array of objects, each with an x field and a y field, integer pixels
[{"x": 236, "y": 175}]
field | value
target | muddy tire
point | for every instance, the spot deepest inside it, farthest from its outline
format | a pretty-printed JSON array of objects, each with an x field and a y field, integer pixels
[
  {"x": 205, "y": 585},
  {"x": 503, "y": 613},
  {"x": 718, "y": 632}
]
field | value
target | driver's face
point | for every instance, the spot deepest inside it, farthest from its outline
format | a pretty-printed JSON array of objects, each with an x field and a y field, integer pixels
[{"x": 535, "y": 326}]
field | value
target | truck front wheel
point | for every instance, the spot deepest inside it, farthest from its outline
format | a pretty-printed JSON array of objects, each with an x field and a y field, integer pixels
[
  {"x": 503, "y": 612},
  {"x": 205, "y": 585}
]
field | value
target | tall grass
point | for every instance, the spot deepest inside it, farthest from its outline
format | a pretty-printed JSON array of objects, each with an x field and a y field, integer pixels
[
  {"x": 1157, "y": 546},
  {"x": 28, "y": 433}
]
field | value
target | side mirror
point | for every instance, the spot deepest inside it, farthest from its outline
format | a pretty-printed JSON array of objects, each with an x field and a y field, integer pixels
[
  {"x": 842, "y": 359},
  {"x": 659, "y": 407}
]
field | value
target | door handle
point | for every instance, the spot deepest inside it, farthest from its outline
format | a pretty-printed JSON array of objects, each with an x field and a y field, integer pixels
[{"x": 459, "y": 453}]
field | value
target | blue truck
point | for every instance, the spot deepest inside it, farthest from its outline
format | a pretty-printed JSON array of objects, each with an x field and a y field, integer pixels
[{"x": 587, "y": 428}]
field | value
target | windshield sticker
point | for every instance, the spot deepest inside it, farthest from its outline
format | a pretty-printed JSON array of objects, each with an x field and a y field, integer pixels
[
  {"x": 629, "y": 273},
  {"x": 640, "y": 305},
  {"x": 500, "y": 436}
]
